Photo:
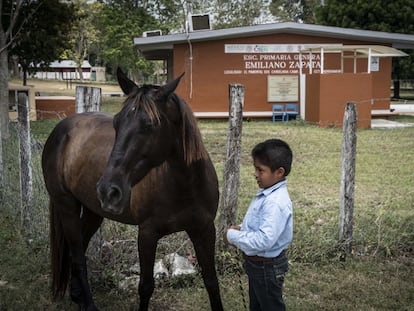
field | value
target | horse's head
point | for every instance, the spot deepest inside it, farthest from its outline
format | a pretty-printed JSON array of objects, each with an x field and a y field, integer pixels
[{"x": 146, "y": 136}]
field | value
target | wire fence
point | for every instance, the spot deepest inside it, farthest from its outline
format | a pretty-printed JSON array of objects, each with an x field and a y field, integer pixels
[
  {"x": 384, "y": 195},
  {"x": 11, "y": 194}
]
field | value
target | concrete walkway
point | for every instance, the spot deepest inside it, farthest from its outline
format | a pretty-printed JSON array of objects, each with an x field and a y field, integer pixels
[
  {"x": 402, "y": 109},
  {"x": 383, "y": 123}
]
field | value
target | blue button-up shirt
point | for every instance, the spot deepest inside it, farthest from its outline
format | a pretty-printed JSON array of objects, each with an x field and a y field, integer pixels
[{"x": 267, "y": 227}]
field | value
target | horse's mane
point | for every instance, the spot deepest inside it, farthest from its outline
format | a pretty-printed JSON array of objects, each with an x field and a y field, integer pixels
[
  {"x": 192, "y": 143},
  {"x": 142, "y": 99},
  {"x": 193, "y": 146}
]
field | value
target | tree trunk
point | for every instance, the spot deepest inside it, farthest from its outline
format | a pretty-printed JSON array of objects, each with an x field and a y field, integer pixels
[
  {"x": 4, "y": 87},
  {"x": 1, "y": 166},
  {"x": 80, "y": 72},
  {"x": 396, "y": 88},
  {"x": 24, "y": 75},
  {"x": 4, "y": 100},
  {"x": 15, "y": 72}
]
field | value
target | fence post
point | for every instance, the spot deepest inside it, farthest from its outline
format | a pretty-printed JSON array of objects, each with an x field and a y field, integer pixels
[
  {"x": 88, "y": 99},
  {"x": 25, "y": 160},
  {"x": 1, "y": 164},
  {"x": 346, "y": 208},
  {"x": 229, "y": 195}
]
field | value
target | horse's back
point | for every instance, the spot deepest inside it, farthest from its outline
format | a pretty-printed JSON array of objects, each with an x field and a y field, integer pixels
[{"x": 76, "y": 152}]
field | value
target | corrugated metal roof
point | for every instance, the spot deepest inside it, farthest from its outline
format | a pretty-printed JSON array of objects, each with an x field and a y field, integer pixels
[{"x": 396, "y": 40}]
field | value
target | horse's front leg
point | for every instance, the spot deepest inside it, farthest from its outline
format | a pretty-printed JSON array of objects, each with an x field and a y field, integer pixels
[
  {"x": 147, "y": 246},
  {"x": 204, "y": 244}
]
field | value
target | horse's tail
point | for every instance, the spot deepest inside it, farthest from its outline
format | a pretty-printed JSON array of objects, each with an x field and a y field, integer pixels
[{"x": 59, "y": 254}]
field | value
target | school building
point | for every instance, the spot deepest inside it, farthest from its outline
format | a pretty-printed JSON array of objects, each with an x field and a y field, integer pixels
[{"x": 318, "y": 68}]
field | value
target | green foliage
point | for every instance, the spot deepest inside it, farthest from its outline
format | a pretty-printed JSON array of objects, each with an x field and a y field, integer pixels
[
  {"x": 84, "y": 34},
  {"x": 294, "y": 11},
  {"x": 119, "y": 23},
  {"x": 41, "y": 32},
  {"x": 378, "y": 15},
  {"x": 170, "y": 14},
  {"x": 235, "y": 13}
]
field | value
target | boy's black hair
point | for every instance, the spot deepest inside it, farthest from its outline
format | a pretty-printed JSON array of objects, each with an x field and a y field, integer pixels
[{"x": 274, "y": 153}]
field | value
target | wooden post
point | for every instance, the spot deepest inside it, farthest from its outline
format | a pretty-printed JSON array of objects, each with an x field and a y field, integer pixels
[
  {"x": 88, "y": 99},
  {"x": 1, "y": 163},
  {"x": 26, "y": 181},
  {"x": 229, "y": 195},
  {"x": 348, "y": 178}
]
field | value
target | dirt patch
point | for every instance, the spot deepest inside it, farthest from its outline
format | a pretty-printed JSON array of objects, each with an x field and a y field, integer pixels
[{"x": 53, "y": 87}]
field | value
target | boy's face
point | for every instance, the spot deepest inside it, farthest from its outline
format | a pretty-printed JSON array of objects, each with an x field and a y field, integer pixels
[{"x": 265, "y": 177}]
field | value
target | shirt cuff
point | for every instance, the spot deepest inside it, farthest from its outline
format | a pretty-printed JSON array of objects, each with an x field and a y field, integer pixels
[{"x": 232, "y": 236}]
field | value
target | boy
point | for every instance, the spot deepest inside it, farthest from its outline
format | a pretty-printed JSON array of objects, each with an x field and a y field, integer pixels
[{"x": 267, "y": 228}]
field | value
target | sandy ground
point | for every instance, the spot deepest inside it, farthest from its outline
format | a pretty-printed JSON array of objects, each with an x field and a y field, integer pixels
[{"x": 53, "y": 87}]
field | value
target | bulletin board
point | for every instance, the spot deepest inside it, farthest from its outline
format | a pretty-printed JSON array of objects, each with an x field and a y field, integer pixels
[{"x": 283, "y": 88}]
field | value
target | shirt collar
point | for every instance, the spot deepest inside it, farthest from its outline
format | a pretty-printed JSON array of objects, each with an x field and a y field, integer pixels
[{"x": 269, "y": 190}]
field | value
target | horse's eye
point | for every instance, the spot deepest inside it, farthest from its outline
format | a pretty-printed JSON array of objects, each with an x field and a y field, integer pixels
[{"x": 148, "y": 127}]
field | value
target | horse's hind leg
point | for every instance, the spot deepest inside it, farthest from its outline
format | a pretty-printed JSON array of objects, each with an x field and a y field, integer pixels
[
  {"x": 204, "y": 245},
  {"x": 68, "y": 210},
  {"x": 90, "y": 224}
]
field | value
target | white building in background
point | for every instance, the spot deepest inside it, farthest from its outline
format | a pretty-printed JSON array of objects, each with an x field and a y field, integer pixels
[{"x": 64, "y": 70}]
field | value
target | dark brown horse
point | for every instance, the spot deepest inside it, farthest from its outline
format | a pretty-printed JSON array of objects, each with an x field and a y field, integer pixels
[{"x": 147, "y": 166}]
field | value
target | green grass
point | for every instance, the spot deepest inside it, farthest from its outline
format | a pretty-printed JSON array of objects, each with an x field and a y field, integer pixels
[{"x": 378, "y": 276}]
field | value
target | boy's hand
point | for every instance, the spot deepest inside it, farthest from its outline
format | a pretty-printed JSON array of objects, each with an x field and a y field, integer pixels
[{"x": 225, "y": 234}]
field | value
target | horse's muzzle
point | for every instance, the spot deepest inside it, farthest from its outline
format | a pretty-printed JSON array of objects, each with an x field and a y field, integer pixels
[{"x": 111, "y": 197}]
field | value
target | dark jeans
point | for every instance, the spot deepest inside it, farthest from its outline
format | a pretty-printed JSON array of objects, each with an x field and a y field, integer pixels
[{"x": 266, "y": 283}]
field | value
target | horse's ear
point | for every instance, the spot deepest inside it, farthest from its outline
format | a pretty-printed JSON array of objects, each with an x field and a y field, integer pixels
[
  {"x": 126, "y": 84},
  {"x": 167, "y": 89}
]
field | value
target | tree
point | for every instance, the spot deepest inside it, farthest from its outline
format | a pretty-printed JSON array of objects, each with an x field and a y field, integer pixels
[
  {"x": 171, "y": 14},
  {"x": 27, "y": 31},
  {"x": 123, "y": 20},
  {"x": 294, "y": 11},
  {"x": 84, "y": 33},
  {"x": 9, "y": 13},
  {"x": 44, "y": 39},
  {"x": 235, "y": 13},
  {"x": 120, "y": 22},
  {"x": 378, "y": 15}
]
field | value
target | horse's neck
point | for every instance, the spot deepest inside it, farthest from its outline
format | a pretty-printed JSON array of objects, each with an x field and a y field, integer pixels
[{"x": 179, "y": 167}]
